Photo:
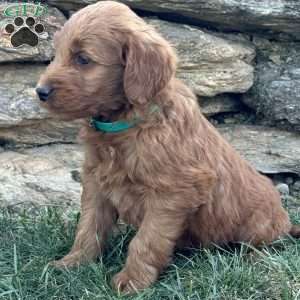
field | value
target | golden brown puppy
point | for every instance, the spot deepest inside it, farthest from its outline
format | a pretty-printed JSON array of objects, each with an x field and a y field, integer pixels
[{"x": 171, "y": 174}]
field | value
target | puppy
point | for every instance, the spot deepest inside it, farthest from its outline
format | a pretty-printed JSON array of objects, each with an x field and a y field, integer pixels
[{"x": 151, "y": 157}]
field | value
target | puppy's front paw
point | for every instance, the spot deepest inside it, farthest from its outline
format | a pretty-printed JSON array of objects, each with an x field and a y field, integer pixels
[
  {"x": 68, "y": 261},
  {"x": 123, "y": 283},
  {"x": 129, "y": 282}
]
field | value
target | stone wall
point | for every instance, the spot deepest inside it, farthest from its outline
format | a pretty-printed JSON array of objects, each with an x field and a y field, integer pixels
[{"x": 242, "y": 58}]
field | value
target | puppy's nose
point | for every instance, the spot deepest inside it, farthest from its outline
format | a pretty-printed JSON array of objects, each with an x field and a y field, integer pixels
[{"x": 44, "y": 92}]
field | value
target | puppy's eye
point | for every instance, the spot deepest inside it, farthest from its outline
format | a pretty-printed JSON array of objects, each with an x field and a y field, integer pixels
[{"x": 82, "y": 59}]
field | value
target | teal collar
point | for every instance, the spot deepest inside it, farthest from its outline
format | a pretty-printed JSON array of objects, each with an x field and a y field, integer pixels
[
  {"x": 118, "y": 126},
  {"x": 114, "y": 127}
]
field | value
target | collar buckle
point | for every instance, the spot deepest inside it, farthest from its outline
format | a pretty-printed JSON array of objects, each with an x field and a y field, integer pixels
[{"x": 92, "y": 123}]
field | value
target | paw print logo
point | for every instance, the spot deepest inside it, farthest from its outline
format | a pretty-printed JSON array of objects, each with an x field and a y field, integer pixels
[{"x": 24, "y": 31}]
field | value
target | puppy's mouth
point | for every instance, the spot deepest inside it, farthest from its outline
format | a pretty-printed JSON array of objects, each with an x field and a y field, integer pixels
[
  {"x": 69, "y": 103},
  {"x": 63, "y": 108}
]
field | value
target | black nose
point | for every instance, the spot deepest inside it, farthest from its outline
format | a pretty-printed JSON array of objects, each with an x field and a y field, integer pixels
[{"x": 44, "y": 92}]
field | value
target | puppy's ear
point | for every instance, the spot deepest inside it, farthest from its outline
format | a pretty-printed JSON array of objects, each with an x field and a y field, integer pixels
[{"x": 150, "y": 63}]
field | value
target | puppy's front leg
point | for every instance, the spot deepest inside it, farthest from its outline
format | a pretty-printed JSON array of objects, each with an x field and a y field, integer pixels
[
  {"x": 150, "y": 250},
  {"x": 96, "y": 220}
]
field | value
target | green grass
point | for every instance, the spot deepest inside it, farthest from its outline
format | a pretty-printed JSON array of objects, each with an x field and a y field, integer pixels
[{"x": 28, "y": 243}]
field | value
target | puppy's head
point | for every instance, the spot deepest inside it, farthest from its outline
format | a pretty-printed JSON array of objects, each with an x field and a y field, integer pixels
[{"x": 107, "y": 58}]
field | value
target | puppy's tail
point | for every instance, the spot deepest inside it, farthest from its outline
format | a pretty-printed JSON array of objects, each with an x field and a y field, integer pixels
[{"x": 295, "y": 231}]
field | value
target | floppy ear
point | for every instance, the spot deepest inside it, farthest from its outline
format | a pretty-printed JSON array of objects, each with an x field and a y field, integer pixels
[{"x": 150, "y": 63}]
